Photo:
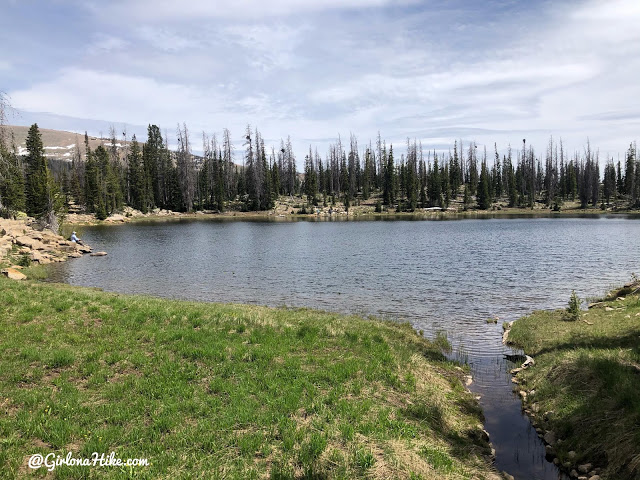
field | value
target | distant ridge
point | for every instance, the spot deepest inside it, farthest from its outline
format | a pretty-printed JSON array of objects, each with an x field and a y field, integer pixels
[{"x": 59, "y": 144}]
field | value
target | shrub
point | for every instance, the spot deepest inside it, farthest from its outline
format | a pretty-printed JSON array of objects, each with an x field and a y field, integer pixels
[
  {"x": 25, "y": 261},
  {"x": 573, "y": 309}
]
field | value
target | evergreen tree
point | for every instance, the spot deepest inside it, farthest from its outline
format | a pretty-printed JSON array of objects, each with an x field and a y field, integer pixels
[
  {"x": 389, "y": 177},
  {"x": 434, "y": 185},
  {"x": 12, "y": 185},
  {"x": 36, "y": 186},
  {"x": 310, "y": 179},
  {"x": 484, "y": 197},
  {"x": 629, "y": 174},
  {"x": 136, "y": 176}
]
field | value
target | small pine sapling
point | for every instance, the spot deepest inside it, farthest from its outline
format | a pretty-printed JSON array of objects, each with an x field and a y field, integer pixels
[{"x": 573, "y": 309}]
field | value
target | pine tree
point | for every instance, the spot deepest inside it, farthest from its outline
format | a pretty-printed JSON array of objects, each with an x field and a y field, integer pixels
[
  {"x": 136, "y": 176},
  {"x": 434, "y": 185},
  {"x": 36, "y": 175},
  {"x": 484, "y": 197},
  {"x": 11, "y": 181},
  {"x": 310, "y": 179},
  {"x": 629, "y": 174},
  {"x": 390, "y": 178},
  {"x": 466, "y": 198}
]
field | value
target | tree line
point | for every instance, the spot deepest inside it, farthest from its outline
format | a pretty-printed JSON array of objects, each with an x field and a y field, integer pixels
[{"x": 148, "y": 175}]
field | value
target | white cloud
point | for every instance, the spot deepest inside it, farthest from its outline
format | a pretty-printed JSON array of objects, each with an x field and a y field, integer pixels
[
  {"x": 101, "y": 95},
  {"x": 106, "y": 43},
  {"x": 161, "y": 10},
  {"x": 167, "y": 40},
  {"x": 314, "y": 69}
]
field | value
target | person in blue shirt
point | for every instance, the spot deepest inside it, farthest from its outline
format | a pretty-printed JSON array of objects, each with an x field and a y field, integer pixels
[{"x": 74, "y": 238}]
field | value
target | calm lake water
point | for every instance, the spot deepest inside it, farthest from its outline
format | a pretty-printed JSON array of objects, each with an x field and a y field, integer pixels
[{"x": 439, "y": 275}]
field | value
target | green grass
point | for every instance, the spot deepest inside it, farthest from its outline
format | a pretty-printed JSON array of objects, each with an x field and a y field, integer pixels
[
  {"x": 225, "y": 391},
  {"x": 587, "y": 373}
]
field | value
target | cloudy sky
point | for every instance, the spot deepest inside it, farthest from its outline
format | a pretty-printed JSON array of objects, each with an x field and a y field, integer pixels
[{"x": 491, "y": 71}]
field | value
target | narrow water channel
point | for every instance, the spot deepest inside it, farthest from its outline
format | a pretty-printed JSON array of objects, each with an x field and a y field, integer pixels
[{"x": 446, "y": 276}]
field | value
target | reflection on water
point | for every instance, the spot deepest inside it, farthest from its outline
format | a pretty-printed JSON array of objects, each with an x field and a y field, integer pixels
[{"x": 448, "y": 276}]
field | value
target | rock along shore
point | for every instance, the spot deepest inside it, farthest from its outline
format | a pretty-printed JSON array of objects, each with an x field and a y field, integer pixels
[{"x": 20, "y": 238}]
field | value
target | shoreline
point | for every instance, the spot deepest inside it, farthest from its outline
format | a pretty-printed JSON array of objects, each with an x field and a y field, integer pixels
[
  {"x": 341, "y": 215},
  {"x": 586, "y": 351},
  {"x": 22, "y": 244}
]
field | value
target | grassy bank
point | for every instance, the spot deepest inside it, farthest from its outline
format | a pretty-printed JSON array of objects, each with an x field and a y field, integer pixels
[
  {"x": 587, "y": 374},
  {"x": 222, "y": 391}
]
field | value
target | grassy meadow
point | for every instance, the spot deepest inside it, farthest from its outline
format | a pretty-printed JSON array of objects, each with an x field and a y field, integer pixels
[
  {"x": 226, "y": 391},
  {"x": 587, "y": 374}
]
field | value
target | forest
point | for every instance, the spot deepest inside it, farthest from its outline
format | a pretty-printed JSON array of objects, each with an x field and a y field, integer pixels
[{"x": 148, "y": 175}]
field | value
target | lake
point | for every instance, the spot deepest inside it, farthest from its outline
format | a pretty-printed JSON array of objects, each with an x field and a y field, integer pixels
[{"x": 449, "y": 275}]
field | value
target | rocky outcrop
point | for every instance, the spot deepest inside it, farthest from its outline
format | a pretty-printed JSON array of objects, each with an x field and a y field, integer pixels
[{"x": 22, "y": 238}]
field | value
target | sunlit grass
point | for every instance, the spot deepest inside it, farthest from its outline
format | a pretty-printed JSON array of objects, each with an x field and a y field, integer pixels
[
  {"x": 226, "y": 391},
  {"x": 587, "y": 373}
]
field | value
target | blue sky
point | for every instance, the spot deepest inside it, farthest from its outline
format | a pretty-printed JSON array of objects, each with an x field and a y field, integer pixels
[{"x": 493, "y": 71}]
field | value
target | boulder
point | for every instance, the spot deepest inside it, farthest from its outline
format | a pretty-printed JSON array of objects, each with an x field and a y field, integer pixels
[
  {"x": 29, "y": 242},
  {"x": 98, "y": 254},
  {"x": 572, "y": 455},
  {"x": 41, "y": 258},
  {"x": 13, "y": 274},
  {"x": 550, "y": 437},
  {"x": 584, "y": 468},
  {"x": 74, "y": 255}
]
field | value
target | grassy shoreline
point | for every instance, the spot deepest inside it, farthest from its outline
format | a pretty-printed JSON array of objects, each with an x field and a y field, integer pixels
[
  {"x": 583, "y": 391},
  {"x": 227, "y": 391}
]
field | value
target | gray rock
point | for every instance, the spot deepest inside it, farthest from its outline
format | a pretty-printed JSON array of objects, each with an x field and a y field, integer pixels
[
  {"x": 572, "y": 455},
  {"x": 573, "y": 474},
  {"x": 585, "y": 468},
  {"x": 550, "y": 437}
]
